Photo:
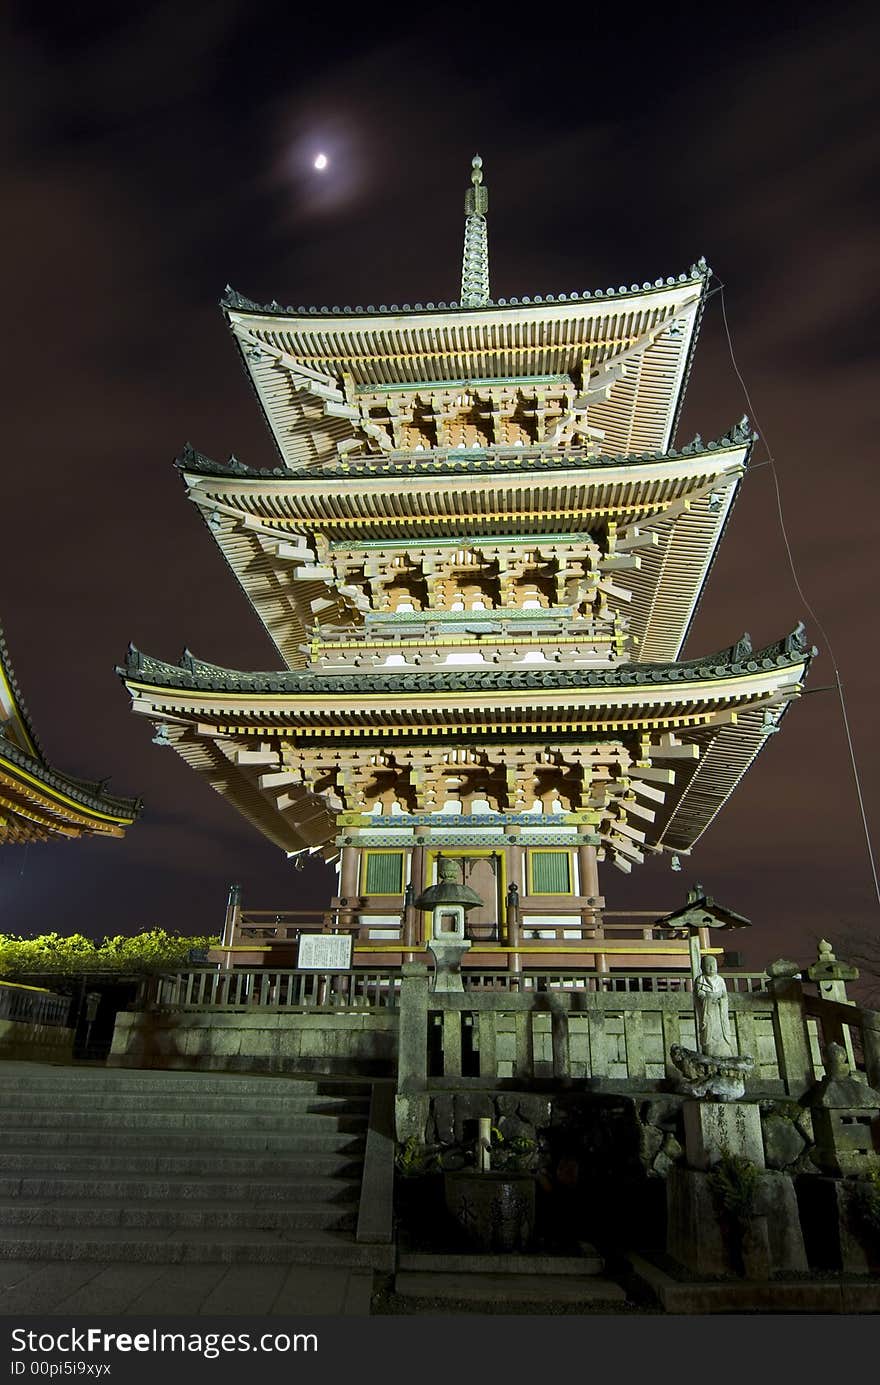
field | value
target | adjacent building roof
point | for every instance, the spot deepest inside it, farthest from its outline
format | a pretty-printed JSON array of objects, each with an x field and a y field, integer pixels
[{"x": 38, "y": 802}]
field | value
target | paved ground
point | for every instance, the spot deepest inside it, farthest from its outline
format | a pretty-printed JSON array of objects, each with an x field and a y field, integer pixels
[{"x": 67, "y": 1288}]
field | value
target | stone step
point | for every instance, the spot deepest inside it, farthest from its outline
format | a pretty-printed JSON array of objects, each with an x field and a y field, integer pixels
[
  {"x": 33, "y": 1162},
  {"x": 590, "y": 1262},
  {"x": 192, "y": 1118},
  {"x": 143, "y": 1246},
  {"x": 220, "y": 1141},
  {"x": 177, "y": 1214},
  {"x": 287, "y": 1107},
  {"x": 16, "y": 1077},
  {"x": 508, "y": 1288},
  {"x": 203, "y": 1187}
]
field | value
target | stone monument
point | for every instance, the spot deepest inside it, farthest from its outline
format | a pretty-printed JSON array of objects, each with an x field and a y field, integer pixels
[{"x": 714, "y": 1069}]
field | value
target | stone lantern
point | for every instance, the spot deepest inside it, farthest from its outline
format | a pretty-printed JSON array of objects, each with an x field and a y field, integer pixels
[
  {"x": 448, "y": 902},
  {"x": 846, "y": 1119}
]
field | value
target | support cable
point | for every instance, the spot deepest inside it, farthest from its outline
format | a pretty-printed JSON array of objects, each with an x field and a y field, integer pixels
[{"x": 771, "y": 461}]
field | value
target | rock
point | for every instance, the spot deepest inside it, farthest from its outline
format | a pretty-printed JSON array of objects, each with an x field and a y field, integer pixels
[
  {"x": 775, "y": 1199},
  {"x": 669, "y": 1155},
  {"x": 783, "y": 1142},
  {"x": 452, "y": 1160},
  {"x": 534, "y": 1109},
  {"x": 444, "y": 1119},
  {"x": 512, "y": 1128},
  {"x": 664, "y": 1112},
  {"x": 671, "y": 1148},
  {"x": 650, "y": 1140},
  {"x": 469, "y": 1108}
]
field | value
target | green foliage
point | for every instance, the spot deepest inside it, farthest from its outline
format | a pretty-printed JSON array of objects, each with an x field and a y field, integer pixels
[
  {"x": 56, "y": 955},
  {"x": 517, "y": 1155},
  {"x": 414, "y": 1160},
  {"x": 734, "y": 1182}
]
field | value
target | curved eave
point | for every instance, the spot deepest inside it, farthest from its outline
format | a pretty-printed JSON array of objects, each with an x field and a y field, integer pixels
[
  {"x": 728, "y": 716},
  {"x": 433, "y": 348},
  {"x": 50, "y": 805},
  {"x": 12, "y": 706},
  {"x": 345, "y": 701},
  {"x": 684, "y": 500}
]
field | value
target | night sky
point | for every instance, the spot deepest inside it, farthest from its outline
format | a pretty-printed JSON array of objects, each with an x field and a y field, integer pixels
[{"x": 156, "y": 152}]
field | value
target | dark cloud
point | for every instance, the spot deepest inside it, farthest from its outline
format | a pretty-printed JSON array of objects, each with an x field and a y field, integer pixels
[{"x": 155, "y": 151}]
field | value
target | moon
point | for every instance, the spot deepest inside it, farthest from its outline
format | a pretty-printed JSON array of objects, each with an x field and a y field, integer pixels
[{"x": 321, "y": 162}]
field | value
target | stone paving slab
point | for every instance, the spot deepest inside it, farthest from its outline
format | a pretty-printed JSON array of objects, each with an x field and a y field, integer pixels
[
  {"x": 247, "y": 1290},
  {"x": 45, "y": 1286},
  {"x": 215, "y": 1290},
  {"x": 178, "y": 1289},
  {"x": 111, "y": 1291},
  {"x": 503, "y": 1288}
]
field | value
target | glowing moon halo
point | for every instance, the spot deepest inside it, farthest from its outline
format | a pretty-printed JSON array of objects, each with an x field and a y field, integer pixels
[{"x": 321, "y": 162}]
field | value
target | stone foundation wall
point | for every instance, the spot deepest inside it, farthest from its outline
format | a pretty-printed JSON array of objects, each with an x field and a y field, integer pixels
[
  {"x": 344, "y": 1041},
  {"x": 615, "y": 1133},
  {"x": 36, "y": 1043}
]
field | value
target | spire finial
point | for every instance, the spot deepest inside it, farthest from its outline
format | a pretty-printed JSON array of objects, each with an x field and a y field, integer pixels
[{"x": 475, "y": 263}]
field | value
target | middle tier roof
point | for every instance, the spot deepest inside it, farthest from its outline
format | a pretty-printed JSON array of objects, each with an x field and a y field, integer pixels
[{"x": 666, "y": 511}]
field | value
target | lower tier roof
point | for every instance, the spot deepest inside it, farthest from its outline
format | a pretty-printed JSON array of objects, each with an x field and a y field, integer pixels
[{"x": 250, "y": 734}]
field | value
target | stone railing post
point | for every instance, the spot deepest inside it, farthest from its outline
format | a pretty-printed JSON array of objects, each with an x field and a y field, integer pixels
[
  {"x": 790, "y": 1032},
  {"x": 411, "y": 1105}
]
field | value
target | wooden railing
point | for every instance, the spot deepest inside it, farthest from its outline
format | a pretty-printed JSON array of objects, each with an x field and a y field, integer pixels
[
  {"x": 31, "y": 1005},
  {"x": 247, "y": 988},
  {"x": 583, "y": 929}
]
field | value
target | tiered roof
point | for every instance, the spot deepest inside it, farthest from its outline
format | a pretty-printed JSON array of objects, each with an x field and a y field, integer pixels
[{"x": 489, "y": 483}]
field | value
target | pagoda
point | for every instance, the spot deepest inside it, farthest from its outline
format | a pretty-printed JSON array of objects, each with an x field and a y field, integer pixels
[
  {"x": 479, "y": 560},
  {"x": 37, "y": 802}
]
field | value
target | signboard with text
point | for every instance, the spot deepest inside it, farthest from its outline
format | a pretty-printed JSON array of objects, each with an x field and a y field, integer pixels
[{"x": 324, "y": 952}]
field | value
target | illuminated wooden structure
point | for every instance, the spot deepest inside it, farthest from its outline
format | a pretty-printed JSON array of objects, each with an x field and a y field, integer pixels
[
  {"x": 37, "y": 802},
  {"x": 479, "y": 561}
]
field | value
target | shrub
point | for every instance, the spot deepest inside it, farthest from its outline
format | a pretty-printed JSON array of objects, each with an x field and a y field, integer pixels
[{"x": 57, "y": 955}]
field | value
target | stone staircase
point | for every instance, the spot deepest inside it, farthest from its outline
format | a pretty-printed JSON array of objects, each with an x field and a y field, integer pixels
[{"x": 165, "y": 1167}]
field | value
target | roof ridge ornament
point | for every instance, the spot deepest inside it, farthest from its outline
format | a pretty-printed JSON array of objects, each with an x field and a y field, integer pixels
[{"x": 475, "y": 260}]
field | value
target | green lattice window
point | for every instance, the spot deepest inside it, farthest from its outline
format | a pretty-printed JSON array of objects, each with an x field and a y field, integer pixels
[
  {"x": 551, "y": 872},
  {"x": 384, "y": 872}
]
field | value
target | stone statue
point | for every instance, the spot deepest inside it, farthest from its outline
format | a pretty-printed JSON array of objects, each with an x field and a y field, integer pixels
[{"x": 712, "y": 1014}]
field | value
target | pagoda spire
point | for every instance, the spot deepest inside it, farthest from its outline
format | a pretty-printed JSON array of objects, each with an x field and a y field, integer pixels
[{"x": 475, "y": 261}]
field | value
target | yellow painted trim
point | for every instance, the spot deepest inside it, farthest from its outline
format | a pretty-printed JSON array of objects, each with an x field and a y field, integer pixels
[
  {"x": 18, "y": 712},
  {"x": 587, "y": 349},
  {"x": 588, "y": 948},
  {"x": 19, "y": 986},
  {"x": 320, "y": 523},
  {"x": 15, "y": 773}
]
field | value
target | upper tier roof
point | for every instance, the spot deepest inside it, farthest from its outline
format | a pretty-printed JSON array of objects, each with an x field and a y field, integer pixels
[{"x": 610, "y": 364}]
